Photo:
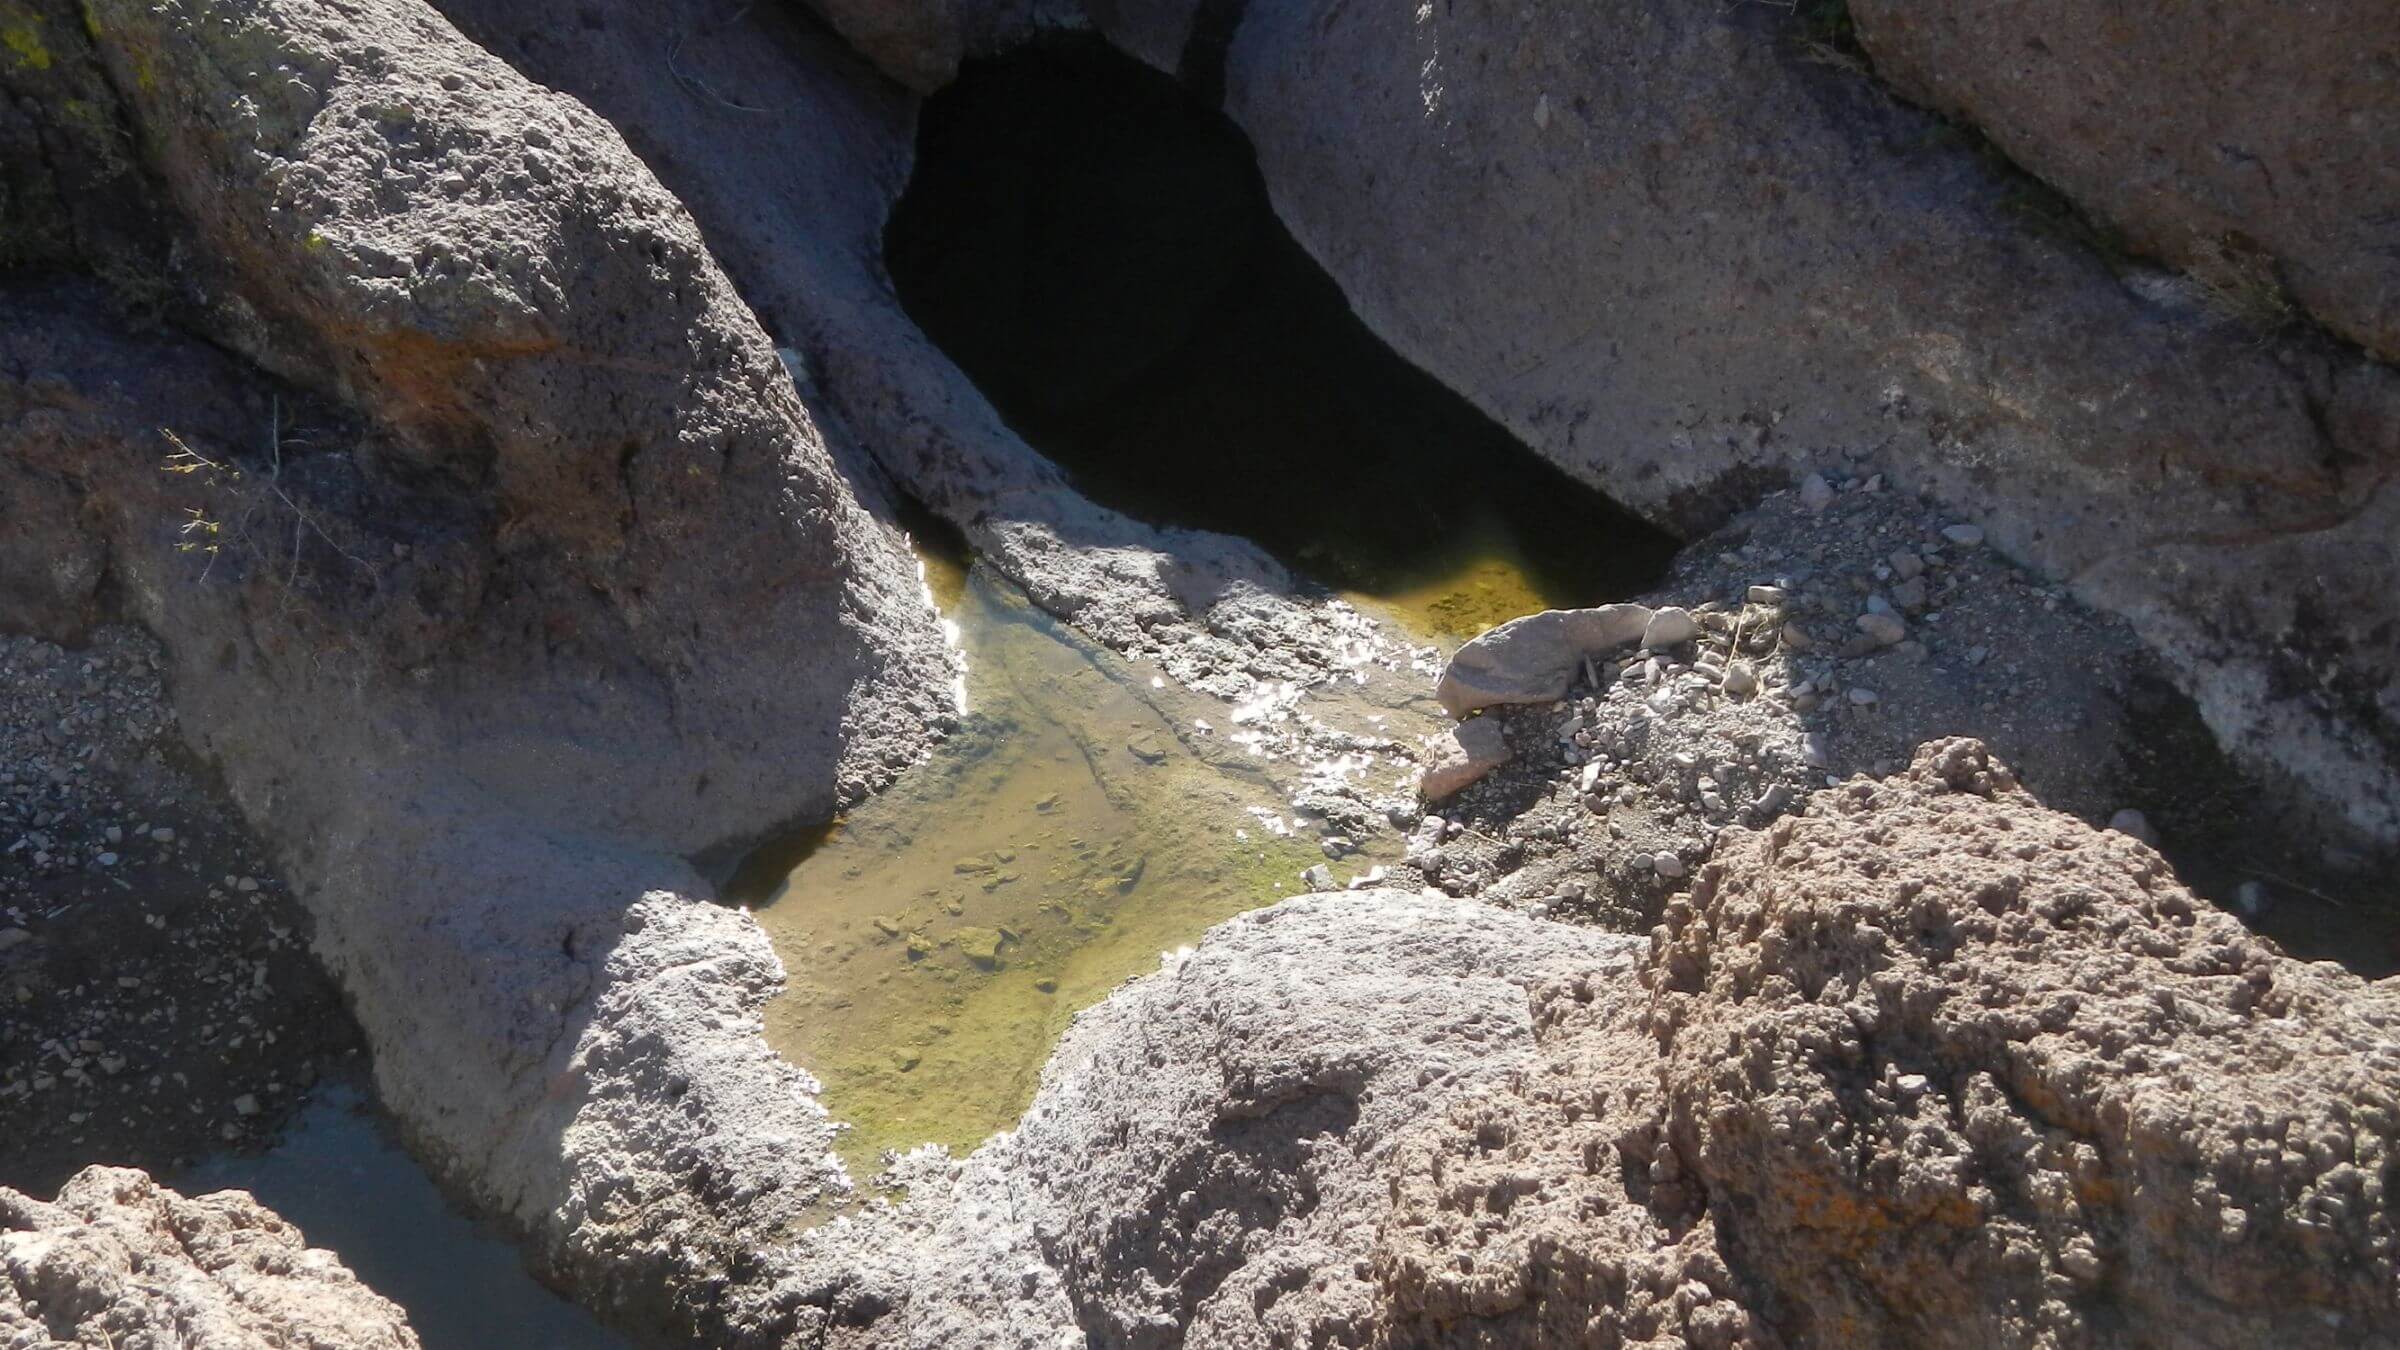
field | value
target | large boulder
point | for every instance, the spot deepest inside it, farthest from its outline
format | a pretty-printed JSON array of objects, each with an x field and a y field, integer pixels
[
  {"x": 2250, "y": 143},
  {"x": 800, "y": 231},
  {"x": 1685, "y": 258},
  {"x": 119, "y": 1261},
  {"x": 502, "y": 569},
  {"x": 1928, "y": 1064}
]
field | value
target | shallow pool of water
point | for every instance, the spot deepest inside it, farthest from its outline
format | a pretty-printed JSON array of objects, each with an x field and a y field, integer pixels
[
  {"x": 1079, "y": 826},
  {"x": 340, "y": 1176}
]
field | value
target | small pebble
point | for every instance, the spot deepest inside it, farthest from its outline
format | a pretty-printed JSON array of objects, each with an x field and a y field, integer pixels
[
  {"x": 1863, "y": 696},
  {"x": 1965, "y": 536},
  {"x": 1667, "y": 865},
  {"x": 1885, "y": 629},
  {"x": 1670, "y": 626}
]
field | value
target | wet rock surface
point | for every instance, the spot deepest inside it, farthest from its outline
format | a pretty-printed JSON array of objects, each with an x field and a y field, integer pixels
[
  {"x": 119, "y": 1261},
  {"x": 1251, "y": 1092}
]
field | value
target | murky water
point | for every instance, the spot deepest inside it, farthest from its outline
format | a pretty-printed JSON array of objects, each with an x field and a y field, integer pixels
[
  {"x": 1095, "y": 248},
  {"x": 340, "y": 1176},
  {"x": 1079, "y": 826}
]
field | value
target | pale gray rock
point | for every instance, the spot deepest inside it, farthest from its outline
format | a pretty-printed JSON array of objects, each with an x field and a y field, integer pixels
[
  {"x": 1255, "y": 1089},
  {"x": 1669, "y": 627},
  {"x": 120, "y": 1262},
  {"x": 1478, "y": 746},
  {"x": 1536, "y": 658}
]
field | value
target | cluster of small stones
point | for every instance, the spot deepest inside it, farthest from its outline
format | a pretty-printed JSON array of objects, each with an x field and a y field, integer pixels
[
  {"x": 156, "y": 994},
  {"x": 1848, "y": 600}
]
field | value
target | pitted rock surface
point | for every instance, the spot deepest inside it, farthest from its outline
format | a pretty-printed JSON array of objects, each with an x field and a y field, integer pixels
[
  {"x": 1950, "y": 1063},
  {"x": 119, "y": 1261},
  {"x": 1927, "y": 1064}
]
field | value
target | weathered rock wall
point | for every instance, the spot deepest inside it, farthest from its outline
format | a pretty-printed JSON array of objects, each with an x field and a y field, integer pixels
[
  {"x": 1690, "y": 252},
  {"x": 119, "y": 1261},
  {"x": 530, "y": 577}
]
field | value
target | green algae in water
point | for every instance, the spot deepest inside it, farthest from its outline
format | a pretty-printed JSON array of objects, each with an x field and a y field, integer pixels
[{"x": 939, "y": 937}]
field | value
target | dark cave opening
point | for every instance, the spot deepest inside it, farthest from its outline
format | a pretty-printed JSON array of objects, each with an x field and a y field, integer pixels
[{"x": 1094, "y": 246}]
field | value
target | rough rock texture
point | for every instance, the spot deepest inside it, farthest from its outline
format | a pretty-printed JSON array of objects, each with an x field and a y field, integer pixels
[
  {"x": 800, "y": 231},
  {"x": 1684, "y": 260},
  {"x": 536, "y": 579},
  {"x": 1927, "y": 1065},
  {"x": 1207, "y": 1157},
  {"x": 1476, "y": 747},
  {"x": 1637, "y": 768},
  {"x": 118, "y": 1261},
  {"x": 2251, "y": 144},
  {"x": 1948, "y": 1062}
]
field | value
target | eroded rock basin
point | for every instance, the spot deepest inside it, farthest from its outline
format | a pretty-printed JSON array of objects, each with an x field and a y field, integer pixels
[{"x": 1089, "y": 820}]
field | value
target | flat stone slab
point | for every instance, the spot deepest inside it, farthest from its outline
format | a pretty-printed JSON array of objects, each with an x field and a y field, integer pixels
[{"x": 1536, "y": 658}]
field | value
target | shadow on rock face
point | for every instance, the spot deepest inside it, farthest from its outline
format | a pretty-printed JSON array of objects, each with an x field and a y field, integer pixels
[{"x": 1095, "y": 247}]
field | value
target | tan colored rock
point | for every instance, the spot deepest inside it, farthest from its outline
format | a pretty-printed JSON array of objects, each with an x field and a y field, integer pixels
[
  {"x": 120, "y": 1261},
  {"x": 1964, "y": 1070},
  {"x": 1931, "y": 1065},
  {"x": 1478, "y": 746}
]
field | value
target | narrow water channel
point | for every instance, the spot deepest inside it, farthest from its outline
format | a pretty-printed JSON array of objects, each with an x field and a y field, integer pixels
[{"x": 341, "y": 1177}]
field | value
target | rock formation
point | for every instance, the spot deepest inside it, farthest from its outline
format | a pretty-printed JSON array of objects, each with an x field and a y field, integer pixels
[
  {"x": 506, "y": 560},
  {"x": 501, "y": 571},
  {"x": 1824, "y": 277},
  {"x": 1926, "y": 1064},
  {"x": 1813, "y": 271},
  {"x": 119, "y": 1261},
  {"x": 2246, "y": 144}
]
